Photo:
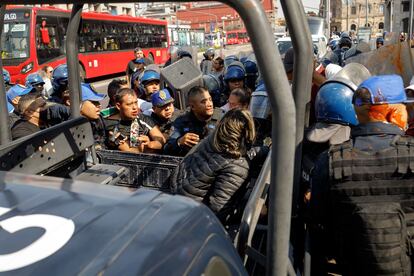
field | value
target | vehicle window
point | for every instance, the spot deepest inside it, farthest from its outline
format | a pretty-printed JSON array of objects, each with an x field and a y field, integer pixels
[{"x": 15, "y": 40}]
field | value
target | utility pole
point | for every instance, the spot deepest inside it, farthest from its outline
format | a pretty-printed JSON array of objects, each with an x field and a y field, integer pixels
[
  {"x": 366, "y": 13},
  {"x": 410, "y": 23},
  {"x": 328, "y": 16}
]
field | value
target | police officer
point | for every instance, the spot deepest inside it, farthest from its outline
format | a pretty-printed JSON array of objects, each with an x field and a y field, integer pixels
[
  {"x": 149, "y": 84},
  {"x": 60, "y": 85},
  {"x": 163, "y": 112},
  {"x": 206, "y": 64},
  {"x": 340, "y": 54},
  {"x": 229, "y": 60},
  {"x": 359, "y": 186},
  {"x": 234, "y": 77},
  {"x": 36, "y": 81},
  {"x": 215, "y": 87},
  {"x": 252, "y": 73},
  {"x": 380, "y": 42},
  {"x": 190, "y": 128}
]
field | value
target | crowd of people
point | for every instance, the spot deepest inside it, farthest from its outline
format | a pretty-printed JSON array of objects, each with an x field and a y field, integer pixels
[{"x": 361, "y": 130}]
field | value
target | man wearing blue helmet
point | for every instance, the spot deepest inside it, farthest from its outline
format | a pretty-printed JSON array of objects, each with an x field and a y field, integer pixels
[
  {"x": 234, "y": 77},
  {"x": 150, "y": 81},
  {"x": 361, "y": 188},
  {"x": 380, "y": 42},
  {"x": 60, "y": 85},
  {"x": 252, "y": 73},
  {"x": 36, "y": 81}
]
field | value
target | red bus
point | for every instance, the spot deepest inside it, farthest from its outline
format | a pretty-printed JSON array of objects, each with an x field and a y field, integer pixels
[
  {"x": 36, "y": 36},
  {"x": 237, "y": 37}
]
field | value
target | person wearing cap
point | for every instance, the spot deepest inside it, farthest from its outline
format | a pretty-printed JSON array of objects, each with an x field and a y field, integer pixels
[
  {"x": 379, "y": 106},
  {"x": 132, "y": 67},
  {"x": 193, "y": 126},
  {"x": 15, "y": 93},
  {"x": 30, "y": 106},
  {"x": 90, "y": 109},
  {"x": 379, "y": 42},
  {"x": 129, "y": 129},
  {"x": 163, "y": 112},
  {"x": 206, "y": 63}
]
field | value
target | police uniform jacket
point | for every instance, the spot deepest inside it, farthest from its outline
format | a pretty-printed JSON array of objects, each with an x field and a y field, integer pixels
[
  {"x": 182, "y": 125},
  {"x": 211, "y": 177}
]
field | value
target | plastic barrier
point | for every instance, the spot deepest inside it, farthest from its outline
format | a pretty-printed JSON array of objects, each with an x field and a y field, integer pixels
[{"x": 145, "y": 170}]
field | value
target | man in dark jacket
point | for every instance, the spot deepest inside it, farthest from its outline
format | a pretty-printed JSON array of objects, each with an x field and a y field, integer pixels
[{"x": 190, "y": 128}]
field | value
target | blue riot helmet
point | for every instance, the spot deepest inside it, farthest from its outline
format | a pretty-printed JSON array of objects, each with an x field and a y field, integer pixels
[
  {"x": 34, "y": 79},
  {"x": 60, "y": 79},
  {"x": 149, "y": 75},
  {"x": 215, "y": 87},
  {"x": 380, "y": 42},
  {"x": 6, "y": 76},
  {"x": 334, "y": 104},
  {"x": 243, "y": 59},
  {"x": 235, "y": 71},
  {"x": 229, "y": 60},
  {"x": 333, "y": 44},
  {"x": 252, "y": 73}
]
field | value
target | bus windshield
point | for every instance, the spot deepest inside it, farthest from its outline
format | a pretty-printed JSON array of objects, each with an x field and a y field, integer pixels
[{"x": 15, "y": 40}]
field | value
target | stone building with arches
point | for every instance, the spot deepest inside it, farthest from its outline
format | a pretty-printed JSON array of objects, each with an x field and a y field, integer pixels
[
  {"x": 397, "y": 15},
  {"x": 350, "y": 15}
]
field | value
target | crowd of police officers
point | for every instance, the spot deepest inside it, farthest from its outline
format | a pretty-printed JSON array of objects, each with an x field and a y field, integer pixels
[{"x": 356, "y": 183}]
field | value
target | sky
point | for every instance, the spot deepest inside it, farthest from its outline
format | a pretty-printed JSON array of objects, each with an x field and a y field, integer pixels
[{"x": 312, "y": 5}]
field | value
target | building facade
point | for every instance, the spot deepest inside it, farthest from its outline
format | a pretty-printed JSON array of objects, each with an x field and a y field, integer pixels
[
  {"x": 350, "y": 15},
  {"x": 217, "y": 16},
  {"x": 397, "y": 15}
]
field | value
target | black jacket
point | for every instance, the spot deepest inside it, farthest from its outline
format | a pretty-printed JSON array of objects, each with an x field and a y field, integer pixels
[
  {"x": 211, "y": 177},
  {"x": 188, "y": 122}
]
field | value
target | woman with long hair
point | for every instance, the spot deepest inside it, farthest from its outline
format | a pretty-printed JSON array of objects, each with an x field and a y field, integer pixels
[{"x": 214, "y": 172}]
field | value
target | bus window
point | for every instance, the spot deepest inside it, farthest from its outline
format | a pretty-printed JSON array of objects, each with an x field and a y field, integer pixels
[
  {"x": 57, "y": 34},
  {"x": 15, "y": 41}
]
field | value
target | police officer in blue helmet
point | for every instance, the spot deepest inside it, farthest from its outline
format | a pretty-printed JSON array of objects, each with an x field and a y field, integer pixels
[
  {"x": 380, "y": 42},
  {"x": 36, "y": 81},
  {"x": 235, "y": 75},
  {"x": 229, "y": 60},
  {"x": 149, "y": 83},
  {"x": 60, "y": 92},
  {"x": 252, "y": 73},
  {"x": 355, "y": 171},
  {"x": 215, "y": 87}
]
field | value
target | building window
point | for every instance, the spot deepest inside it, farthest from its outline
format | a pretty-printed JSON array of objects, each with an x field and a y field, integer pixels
[
  {"x": 406, "y": 6},
  {"x": 353, "y": 10},
  {"x": 112, "y": 10},
  {"x": 381, "y": 25},
  {"x": 381, "y": 9},
  {"x": 369, "y": 8},
  {"x": 353, "y": 27}
]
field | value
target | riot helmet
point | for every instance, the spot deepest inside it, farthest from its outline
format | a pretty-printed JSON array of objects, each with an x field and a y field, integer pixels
[
  {"x": 60, "y": 79},
  {"x": 183, "y": 53},
  {"x": 380, "y": 42},
  {"x": 149, "y": 75},
  {"x": 243, "y": 59},
  {"x": 6, "y": 76},
  {"x": 209, "y": 53},
  {"x": 229, "y": 60},
  {"x": 34, "y": 79},
  {"x": 215, "y": 87},
  {"x": 252, "y": 73},
  {"x": 260, "y": 104},
  {"x": 333, "y": 44},
  {"x": 235, "y": 71},
  {"x": 345, "y": 41},
  {"x": 334, "y": 104}
]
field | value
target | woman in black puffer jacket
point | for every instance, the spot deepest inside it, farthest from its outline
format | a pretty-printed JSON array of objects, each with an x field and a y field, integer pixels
[{"x": 218, "y": 167}]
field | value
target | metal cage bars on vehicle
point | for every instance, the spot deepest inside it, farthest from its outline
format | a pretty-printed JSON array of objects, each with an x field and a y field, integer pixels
[{"x": 279, "y": 92}]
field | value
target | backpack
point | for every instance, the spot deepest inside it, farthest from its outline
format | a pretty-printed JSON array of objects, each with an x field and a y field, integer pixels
[{"x": 372, "y": 207}]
